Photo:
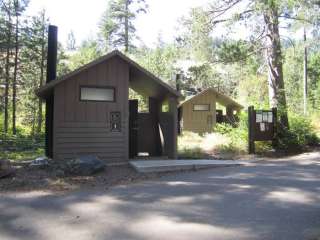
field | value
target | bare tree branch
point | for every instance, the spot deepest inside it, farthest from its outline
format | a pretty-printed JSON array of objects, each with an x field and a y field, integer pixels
[
  {"x": 295, "y": 18},
  {"x": 241, "y": 16}
]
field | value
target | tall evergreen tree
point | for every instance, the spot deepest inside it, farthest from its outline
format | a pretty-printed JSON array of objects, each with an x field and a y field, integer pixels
[
  {"x": 117, "y": 25},
  {"x": 266, "y": 13},
  {"x": 7, "y": 10},
  {"x": 19, "y": 7},
  {"x": 197, "y": 34},
  {"x": 33, "y": 58}
]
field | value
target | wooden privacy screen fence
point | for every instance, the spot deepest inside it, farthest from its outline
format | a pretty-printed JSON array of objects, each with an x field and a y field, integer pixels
[{"x": 262, "y": 126}]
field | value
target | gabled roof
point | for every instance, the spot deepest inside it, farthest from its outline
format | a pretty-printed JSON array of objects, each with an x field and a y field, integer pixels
[
  {"x": 221, "y": 98},
  {"x": 44, "y": 90}
]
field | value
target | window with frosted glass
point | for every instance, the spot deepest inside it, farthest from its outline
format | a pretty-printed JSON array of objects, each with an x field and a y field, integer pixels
[
  {"x": 201, "y": 107},
  {"x": 101, "y": 94}
]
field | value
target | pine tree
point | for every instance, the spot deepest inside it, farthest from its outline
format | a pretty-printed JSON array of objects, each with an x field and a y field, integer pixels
[
  {"x": 117, "y": 25},
  {"x": 19, "y": 7},
  {"x": 33, "y": 58},
  {"x": 265, "y": 17},
  {"x": 7, "y": 11}
]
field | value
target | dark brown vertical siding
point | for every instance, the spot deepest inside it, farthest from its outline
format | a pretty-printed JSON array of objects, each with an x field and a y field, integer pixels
[
  {"x": 92, "y": 106},
  {"x": 80, "y": 107},
  {"x": 84, "y": 127},
  {"x": 69, "y": 92}
]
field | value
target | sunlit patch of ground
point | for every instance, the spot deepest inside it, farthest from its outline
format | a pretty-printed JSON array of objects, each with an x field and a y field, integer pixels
[
  {"x": 209, "y": 145},
  {"x": 292, "y": 196}
]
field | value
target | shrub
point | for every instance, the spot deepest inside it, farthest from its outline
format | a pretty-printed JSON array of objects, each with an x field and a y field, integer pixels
[
  {"x": 238, "y": 136},
  {"x": 300, "y": 134}
]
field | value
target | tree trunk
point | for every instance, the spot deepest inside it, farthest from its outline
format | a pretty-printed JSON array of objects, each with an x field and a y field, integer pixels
[
  {"x": 39, "y": 124},
  {"x": 7, "y": 75},
  {"x": 277, "y": 96},
  {"x": 305, "y": 73},
  {"x": 15, "y": 73},
  {"x": 126, "y": 28}
]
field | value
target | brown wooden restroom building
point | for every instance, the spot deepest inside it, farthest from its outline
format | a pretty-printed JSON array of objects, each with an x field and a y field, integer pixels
[
  {"x": 200, "y": 113},
  {"x": 92, "y": 113}
]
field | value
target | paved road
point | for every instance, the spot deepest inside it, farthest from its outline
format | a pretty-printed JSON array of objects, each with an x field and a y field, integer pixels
[{"x": 277, "y": 199}]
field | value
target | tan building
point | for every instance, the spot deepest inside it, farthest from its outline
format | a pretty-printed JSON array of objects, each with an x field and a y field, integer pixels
[{"x": 200, "y": 113}]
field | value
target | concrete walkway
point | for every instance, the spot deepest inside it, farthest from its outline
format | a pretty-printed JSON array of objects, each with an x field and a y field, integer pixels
[
  {"x": 145, "y": 166},
  {"x": 270, "y": 200}
]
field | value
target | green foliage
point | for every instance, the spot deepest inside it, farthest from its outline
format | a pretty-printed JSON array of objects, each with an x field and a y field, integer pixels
[
  {"x": 238, "y": 135},
  {"x": 88, "y": 51},
  {"x": 231, "y": 51},
  {"x": 161, "y": 61},
  {"x": 300, "y": 135},
  {"x": 195, "y": 36},
  {"x": 194, "y": 153},
  {"x": 314, "y": 80},
  {"x": 117, "y": 24},
  {"x": 253, "y": 90},
  {"x": 22, "y": 155}
]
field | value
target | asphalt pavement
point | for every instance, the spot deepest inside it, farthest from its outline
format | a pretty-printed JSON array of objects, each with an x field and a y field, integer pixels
[{"x": 274, "y": 199}]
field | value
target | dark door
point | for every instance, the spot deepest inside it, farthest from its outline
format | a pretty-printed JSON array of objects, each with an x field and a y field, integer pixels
[
  {"x": 219, "y": 116},
  {"x": 133, "y": 128},
  {"x": 179, "y": 120}
]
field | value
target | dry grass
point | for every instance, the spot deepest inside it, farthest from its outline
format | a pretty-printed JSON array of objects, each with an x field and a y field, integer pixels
[{"x": 210, "y": 145}]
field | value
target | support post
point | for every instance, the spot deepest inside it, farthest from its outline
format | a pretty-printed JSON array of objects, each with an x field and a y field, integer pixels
[
  {"x": 154, "y": 110},
  {"x": 251, "y": 121},
  {"x": 173, "y": 110},
  {"x": 275, "y": 128}
]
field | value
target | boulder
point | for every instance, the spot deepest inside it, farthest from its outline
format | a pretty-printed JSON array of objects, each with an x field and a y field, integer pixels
[
  {"x": 6, "y": 168},
  {"x": 85, "y": 165},
  {"x": 40, "y": 162}
]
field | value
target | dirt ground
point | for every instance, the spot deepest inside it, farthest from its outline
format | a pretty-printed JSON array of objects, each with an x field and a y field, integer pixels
[{"x": 49, "y": 178}]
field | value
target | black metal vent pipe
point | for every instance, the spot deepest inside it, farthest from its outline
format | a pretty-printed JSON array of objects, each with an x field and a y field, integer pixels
[
  {"x": 52, "y": 53},
  {"x": 51, "y": 75}
]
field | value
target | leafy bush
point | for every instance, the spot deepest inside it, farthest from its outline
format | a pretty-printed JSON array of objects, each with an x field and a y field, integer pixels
[
  {"x": 300, "y": 134},
  {"x": 238, "y": 136}
]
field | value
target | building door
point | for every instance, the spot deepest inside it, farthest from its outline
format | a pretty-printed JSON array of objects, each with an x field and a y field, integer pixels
[{"x": 133, "y": 128}]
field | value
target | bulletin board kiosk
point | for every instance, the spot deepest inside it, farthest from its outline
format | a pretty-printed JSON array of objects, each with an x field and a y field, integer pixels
[{"x": 262, "y": 126}]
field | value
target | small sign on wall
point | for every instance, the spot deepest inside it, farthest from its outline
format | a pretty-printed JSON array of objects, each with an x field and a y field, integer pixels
[
  {"x": 264, "y": 116},
  {"x": 258, "y": 116},
  {"x": 270, "y": 117},
  {"x": 115, "y": 121}
]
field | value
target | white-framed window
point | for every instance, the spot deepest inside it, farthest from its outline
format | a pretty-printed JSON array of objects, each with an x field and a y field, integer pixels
[
  {"x": 201, "y": 107},
  {"x": 99, "y": 94}
]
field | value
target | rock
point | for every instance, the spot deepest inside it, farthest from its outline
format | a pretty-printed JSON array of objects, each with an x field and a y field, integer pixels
[
  {"x": 59, "y": 173},
  {"x": 39, "y": 162},
  {"x": 6, "y": 168},
  {"x": 85, "y": 165}
]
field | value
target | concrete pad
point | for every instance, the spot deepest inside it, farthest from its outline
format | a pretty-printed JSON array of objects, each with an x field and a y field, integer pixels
[{"x": 144, "y": 166}]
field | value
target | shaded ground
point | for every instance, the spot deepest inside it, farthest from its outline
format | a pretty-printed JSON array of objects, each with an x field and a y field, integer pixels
[
  {"x": 50, "y": 179},
  {"x": 274, "y": 199}
]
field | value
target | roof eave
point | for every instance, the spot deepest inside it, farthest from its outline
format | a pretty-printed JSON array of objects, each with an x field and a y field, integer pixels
[{"x": 43, "y": 91}]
